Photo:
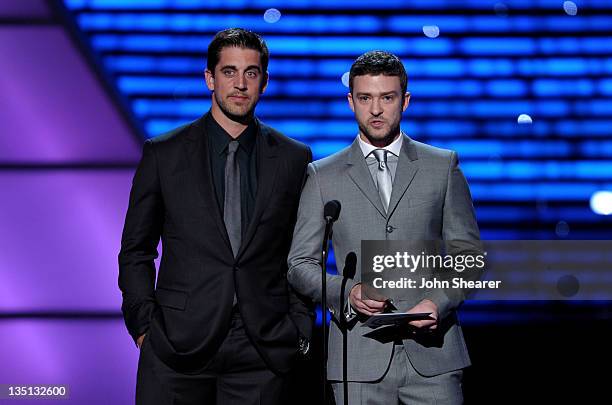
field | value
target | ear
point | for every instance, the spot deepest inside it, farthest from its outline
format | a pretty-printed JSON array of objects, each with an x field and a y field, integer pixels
[
  {"x": 349, "y": 96},
  {"x": 210, "y": 80},
  {"x": 264, "y": 84},
  {"x": 406, "y": 101}
]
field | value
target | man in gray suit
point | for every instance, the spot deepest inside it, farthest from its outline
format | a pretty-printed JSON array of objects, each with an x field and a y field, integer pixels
[{"x": 391, "y": 188}]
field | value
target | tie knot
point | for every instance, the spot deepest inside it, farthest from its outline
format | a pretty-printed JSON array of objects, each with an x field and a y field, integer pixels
[
  {"x": 381, "y": 156},
  {"x": 232, "y": 147}
]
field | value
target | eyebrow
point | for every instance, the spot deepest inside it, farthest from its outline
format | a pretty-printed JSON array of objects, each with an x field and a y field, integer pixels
[
  {"x": 386, "y": 93},
  {"x": 250, "y": 67},
  {"x": 254, "y": 67}
]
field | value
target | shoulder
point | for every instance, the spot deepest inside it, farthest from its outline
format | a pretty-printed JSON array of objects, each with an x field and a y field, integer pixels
[
  {"x": 288, "y": 144},
  {"x": 431, "y": 153},
  {"x": 176, "y": 135},
  {"x": 332, "y": 163}
]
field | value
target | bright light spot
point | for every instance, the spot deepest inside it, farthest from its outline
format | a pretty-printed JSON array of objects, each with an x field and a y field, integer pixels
[
  {"x": 272, "y": 15},
  {"x": 501, "y": 9},
  {"x": 345, "y": 79},
  {"x": 431, "y": 31},
  {"x": 570, "y": 8},
  {"x": 601, "y": 202},
  {"x": 524, "y": 119}
]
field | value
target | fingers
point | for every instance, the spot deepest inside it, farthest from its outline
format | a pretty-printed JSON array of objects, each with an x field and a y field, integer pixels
[
  {"x": 363, "y": 309},
  {"x": 370, "y": 307},
  {"x": 140, "y": 340},
  {"x": 425, "y": 324},
  {"x": 426, "y": 306},
  {"x": 375, "y": 305},
  {"x": 365, "y": 306}
]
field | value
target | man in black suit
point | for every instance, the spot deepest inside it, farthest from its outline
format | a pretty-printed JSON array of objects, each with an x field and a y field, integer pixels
[{"x": 221, "y": 325}]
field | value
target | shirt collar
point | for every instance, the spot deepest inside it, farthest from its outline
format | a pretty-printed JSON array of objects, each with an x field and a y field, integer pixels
[
  {"x": 394, "y": 147},
  {"x": 220, "y": 138}
]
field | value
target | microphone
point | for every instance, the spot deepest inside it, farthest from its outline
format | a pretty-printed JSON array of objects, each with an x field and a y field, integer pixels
[
  {"x": 331, "y": 211},
  {"x": 350, "y": 265}
]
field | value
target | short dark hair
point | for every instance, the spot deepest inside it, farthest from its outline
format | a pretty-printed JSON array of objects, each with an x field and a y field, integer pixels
[
  {"x": 238, "y": 37},
  {"x": 378, "y": 63}
]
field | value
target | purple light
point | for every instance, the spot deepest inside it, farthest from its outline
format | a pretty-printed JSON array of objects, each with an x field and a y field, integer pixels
[
  {"x": 60, "y": 236},
  {"x": 96, "y": 359},
  {"x": 24, "y": 9},
  {"x": 54, "y": 109}
]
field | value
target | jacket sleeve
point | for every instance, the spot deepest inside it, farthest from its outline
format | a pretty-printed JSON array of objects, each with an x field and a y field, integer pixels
[
  {"x": 305, "y": 255},
  {"x": 302, "y": 307},
  {"x": 459, "y": 232},
  {"x": 141, "y": 235}
]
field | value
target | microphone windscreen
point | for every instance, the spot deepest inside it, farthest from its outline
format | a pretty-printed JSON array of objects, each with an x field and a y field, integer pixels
[
  {"x": 350, "y": 265},
  {"x": 331, "y": 211}
]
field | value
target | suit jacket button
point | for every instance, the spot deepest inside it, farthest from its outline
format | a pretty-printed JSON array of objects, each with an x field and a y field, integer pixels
[
  {"x": 236, "y": 268},
  {"x": 390, "y": 229}
]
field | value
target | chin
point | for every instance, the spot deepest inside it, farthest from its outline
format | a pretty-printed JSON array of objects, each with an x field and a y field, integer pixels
[
  {"x": 239, "y": 112},
  {"x": 381, "y": 136}
]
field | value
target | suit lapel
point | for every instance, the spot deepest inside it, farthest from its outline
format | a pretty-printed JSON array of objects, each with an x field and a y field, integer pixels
[
  {"x": 196, "y": 146},
  {"x": 360, "y": 174},
  {"x": 406, "y": 169},
  {"x": 268, "y": 151}
]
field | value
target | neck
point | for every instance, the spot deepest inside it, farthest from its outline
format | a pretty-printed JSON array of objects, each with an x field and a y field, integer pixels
[
  {"x": 233, "y": 128},
  {"x": 379, "y": 143}
]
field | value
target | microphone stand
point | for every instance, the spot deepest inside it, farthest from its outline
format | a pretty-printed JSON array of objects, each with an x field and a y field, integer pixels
[
  {"x": 348, "y": 273},
  {"x": 328, "y": 230}
]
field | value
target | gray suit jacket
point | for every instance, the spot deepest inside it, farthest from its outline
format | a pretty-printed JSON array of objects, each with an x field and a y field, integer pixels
[{"x": 430, "y": 201}]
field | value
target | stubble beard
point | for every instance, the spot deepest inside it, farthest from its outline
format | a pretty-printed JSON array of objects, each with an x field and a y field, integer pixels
[
  {"x": 385, "y": 139},
  {"x": 236, "y": 114}
]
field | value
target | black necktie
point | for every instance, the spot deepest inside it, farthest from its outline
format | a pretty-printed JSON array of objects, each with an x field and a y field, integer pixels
[{"x": 231, "y": 204}]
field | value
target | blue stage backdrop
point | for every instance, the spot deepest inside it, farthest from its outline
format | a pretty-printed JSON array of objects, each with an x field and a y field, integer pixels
[{"x": 520, "y": 88}]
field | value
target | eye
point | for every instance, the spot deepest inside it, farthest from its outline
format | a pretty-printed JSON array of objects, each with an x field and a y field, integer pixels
[
  {"x": 388, "y": 98},
  {"x": 229, "y": 72},
  {"x": 363, "y": 98},
  {"x": 251, "y": 74}
]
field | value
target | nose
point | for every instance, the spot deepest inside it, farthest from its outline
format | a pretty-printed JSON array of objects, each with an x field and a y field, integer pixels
[
  {"x": 241, "y": 83},
  {"x": 376, "y": 108}
]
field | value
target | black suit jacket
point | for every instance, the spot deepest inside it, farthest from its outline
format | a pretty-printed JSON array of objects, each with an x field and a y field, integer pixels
[{"x": 187, "y": 313}]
